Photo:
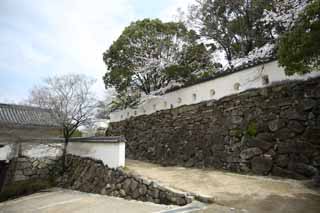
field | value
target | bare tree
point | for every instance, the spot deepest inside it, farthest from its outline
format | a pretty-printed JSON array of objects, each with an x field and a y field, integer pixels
[{"x": 71, "y": 98}]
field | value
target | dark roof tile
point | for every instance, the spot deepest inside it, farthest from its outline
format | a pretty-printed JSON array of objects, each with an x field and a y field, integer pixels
[{"x": 27, "y": 116}]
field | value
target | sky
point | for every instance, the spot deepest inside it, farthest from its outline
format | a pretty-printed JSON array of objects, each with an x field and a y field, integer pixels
[{"x": 42, "y": 38}]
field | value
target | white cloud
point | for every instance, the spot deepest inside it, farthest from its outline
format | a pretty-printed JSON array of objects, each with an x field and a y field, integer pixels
[
  {"x": 170, "y": 13},
  {"x": 42, "y": 38},
  {"x": 54, "y": 37}
]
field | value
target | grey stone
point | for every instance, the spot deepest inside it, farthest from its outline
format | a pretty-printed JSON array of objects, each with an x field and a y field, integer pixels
[
  {"x": 249, "y": 153},
  {"x": 142, "y": 189},
  {"x": 236, "y": 119},
  {"x": 135, "y": 194},
  {"x": 244, "y": 168},
  {"x": 29, "y": 172},
  {"x": 303, "y": 169},
  {"x": 285, "y": 133},
  {"x": 126, "y": 184},
  {"x": 181, "y": 201},
  {"x": 286, "y": 148},
  {"x": 20, "y": 178},
  {"x": 293, "y": 114},
  {"x": 282, "y": 160},
  {"x": 42, "y": 165},
  {"x": 255, "y": 142},
  {"x": 261, "y": 165},
  {"x": 122, "y": 193},
  {"x": 316, "y": 161},
  {"x": 312, "y": 135},
  {"x": 22, "y": 159},
  {"x": 146, "y": 182},
  {"x": 24, "y": 164},
  {"x": 296, "y": 126},
  {"x": 103, "y": 191},
  {"x": 108, "y": 186},
  {"x": 155, "y": 193},
  {"x": 266, "y": 136},
  {"x": 275, "y": 125},
  {"x": 308, "y": 104},
  {"x": 133, "y": 185}
]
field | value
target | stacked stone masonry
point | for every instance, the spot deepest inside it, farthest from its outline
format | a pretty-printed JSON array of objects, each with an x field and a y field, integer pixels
[
  {"x": 26, "y": 168},
  {"x": 267, "y": 131},
  {"x": 88, "y": 175}
]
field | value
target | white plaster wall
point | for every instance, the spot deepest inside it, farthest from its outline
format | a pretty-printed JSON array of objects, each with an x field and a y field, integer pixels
[
  {"x": 223, "y": 86},
  {"x": 112, "y": 154},
  {"x": 31, "y": 150},
  {"x": 34, "y": 150},
  {"x": 6, "y": 152}
]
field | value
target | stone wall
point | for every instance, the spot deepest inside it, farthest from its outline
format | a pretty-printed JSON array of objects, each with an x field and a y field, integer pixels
[
  {"x": 88, "y": 175},
  {"x": 32, "y": 160},
  {"x": 26, "y": 168},
  {"x": 268, "y": 131}
]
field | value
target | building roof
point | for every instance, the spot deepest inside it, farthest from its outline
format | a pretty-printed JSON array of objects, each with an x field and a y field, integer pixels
[{"x": 27, "y": 116}]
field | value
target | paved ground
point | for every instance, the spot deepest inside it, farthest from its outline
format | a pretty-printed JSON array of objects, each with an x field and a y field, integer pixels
[
  {"x": 67, "y": 201},
  {"x": 233, "y": 193},
  {"x": 242, "y": 192}
]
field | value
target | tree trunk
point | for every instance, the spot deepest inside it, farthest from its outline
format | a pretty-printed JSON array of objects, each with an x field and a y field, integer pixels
[{"x": 64, "y": 154}]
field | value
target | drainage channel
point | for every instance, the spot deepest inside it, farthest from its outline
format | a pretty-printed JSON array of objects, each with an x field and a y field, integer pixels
[{"x": 194, "y": 206}]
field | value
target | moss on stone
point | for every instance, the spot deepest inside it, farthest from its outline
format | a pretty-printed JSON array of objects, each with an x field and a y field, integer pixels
[{"x": 252, "y": 129}]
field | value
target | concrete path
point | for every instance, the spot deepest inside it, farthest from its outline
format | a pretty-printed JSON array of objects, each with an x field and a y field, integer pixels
[
  {"x": 67, "y": 201},
  {"x": 241, "y": 193}
]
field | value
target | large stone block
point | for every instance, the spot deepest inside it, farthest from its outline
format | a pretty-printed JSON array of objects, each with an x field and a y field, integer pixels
[
  {"x": 256, "y": 142},
  {"x": 249, "y": 153},
  {"x": 261, "y": 165},
  {"x": 303, "y": 169},
  {"x": 282, "y": 160}
]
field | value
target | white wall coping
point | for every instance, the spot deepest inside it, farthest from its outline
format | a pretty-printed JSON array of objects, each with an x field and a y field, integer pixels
[
  {"x": 111, "y": 154},
  {"x": 231, "y": 83},
  {"x": 111, "y": 149}
]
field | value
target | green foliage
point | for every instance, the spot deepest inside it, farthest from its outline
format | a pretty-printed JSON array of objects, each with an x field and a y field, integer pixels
[
  {"x": 124, "y": 100},
  {"x": 149, "y": 54},
  {"x": 21, "y": 188},
  {"x": 194, "y": 64},
  {"x": 77, "y": 133},
  {"x": 299, "y": 49},
  {"x": 236, "y": 27},
  {"x": 252, "y": 129}
]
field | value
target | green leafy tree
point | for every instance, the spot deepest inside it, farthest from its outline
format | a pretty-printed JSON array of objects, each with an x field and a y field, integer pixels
[
  {"x": 149, "y": 54},
  {"x": 123, "y": 100},
  {"x": 299, "y": 49},
  {"x": 235, "y": 27}
]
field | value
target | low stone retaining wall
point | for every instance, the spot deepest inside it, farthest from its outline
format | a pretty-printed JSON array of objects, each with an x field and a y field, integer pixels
[
  {"x": 266, "y": 131},
  {"x": 88, "y": 175},
  {"x": 32, "y": 160},
  {"x": 25, "y": 168}
]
